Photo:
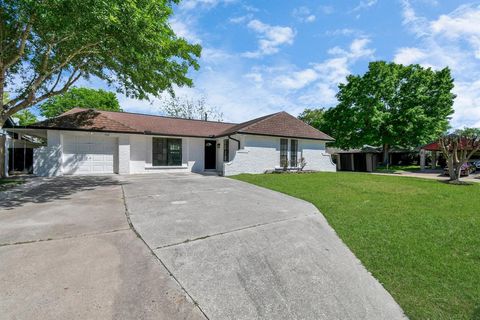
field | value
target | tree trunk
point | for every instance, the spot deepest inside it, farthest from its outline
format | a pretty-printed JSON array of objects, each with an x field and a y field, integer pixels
[
  {"x": 386, "y": 154},
  {"x": 2, "y": 155},
  {"x": 3, "y": 140},
  {"x": 451, "y": 169}
]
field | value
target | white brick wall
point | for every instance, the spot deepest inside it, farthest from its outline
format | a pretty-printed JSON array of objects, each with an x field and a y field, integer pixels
[
  {"x": 316, "y": 156},
  {"x": 262, "y": 153},
  {"x": 257, "y": 154},
  {"x": 124, "y": 154},
  {"x": 46, "y": 161},
  {"x": 141, "y": 155}
]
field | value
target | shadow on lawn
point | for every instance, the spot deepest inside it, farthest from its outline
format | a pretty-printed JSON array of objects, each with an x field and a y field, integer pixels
[
  {"x": 46, "y": 190},
  {"x": 476, "y": 313}
]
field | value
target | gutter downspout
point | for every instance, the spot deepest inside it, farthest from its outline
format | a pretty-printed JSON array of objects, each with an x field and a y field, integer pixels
[{"x": 238, "y": 141}]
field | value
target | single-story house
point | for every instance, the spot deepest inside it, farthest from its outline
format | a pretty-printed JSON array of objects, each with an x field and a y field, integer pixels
[{"x": 86, "y": 141}]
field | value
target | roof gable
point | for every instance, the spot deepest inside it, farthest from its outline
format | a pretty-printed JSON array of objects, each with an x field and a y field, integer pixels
[
  {"x": 83, "y": 119},
  {"x": 279, "y": 124}
]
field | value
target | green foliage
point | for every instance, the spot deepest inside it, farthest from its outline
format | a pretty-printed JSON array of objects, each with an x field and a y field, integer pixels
[
  {"x": 418, "y": 237},
  {"x": 82, "y": 98},
  {"x": 24, "y": 117},
  {"x": 315, "y": 118},
  {"x": 468, "y": 132},
  {"x": 6, "y": 97},
  {"x": 48, "y": 45},
  {"x": 392, "y": 104},
  {"x": 7, "y": 183}
]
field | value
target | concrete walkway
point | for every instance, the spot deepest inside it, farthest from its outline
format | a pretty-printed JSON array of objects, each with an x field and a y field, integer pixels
[
  {"x": 244, "y": 252},
  {"x": 432, "y": 174},
  {"x": 67, "y": 252}
]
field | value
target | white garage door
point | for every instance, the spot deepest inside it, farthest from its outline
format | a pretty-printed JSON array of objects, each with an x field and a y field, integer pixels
[{"x": 88, "y": 154}]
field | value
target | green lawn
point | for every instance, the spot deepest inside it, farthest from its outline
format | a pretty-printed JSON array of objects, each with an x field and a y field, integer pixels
[
  {"x": 420, "y": 238},
  {"x": 8, "y": 183}
]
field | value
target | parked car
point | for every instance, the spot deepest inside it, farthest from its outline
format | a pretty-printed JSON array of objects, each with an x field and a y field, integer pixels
[
  {"x": 465, "y": 170},
  {"x": 476, "y": 163},
  {"x": 473, "y": 166}
]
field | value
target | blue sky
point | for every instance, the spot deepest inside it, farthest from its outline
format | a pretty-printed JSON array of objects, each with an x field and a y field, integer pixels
[{"x": 261, "y": 57}]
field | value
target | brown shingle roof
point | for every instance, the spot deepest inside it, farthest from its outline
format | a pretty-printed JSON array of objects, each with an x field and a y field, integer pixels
[
  {"x": 98, "y": 120},
  {"x": 278, "y": 124}
]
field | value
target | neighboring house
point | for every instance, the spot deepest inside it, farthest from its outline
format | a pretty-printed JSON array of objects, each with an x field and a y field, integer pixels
[
  {"x": 433, "y": 152},
  {"x": 86, "y": 141},
  {"x": 367, "y": 158}
]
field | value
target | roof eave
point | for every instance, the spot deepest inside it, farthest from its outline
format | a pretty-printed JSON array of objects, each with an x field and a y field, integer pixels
[
  {"x": 283, "y": 136},
  {"x": 121, "y": 132}
]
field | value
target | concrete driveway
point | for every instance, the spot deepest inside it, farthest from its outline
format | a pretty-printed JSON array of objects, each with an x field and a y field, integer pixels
[
  {"x": 243, "y": 252},
  {"x": 67, "y": 252}
]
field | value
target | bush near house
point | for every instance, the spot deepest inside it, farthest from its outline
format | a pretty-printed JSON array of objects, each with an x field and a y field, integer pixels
[
  {"x": 418, "y": 237},
  {"x": 9, "y": 183}
]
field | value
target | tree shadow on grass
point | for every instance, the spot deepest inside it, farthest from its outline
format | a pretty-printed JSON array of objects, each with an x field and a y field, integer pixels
[
  {"x": 476, "y": 313},
  {"x": 51, "y": 189}
]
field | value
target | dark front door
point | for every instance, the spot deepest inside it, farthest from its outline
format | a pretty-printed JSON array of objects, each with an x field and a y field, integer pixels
[{"x": 210, "y": 154}]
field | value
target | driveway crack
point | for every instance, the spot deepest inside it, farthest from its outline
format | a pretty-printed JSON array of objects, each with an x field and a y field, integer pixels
[
  {"x": 230, "y": 231},
  {"x": 85, "y": 235},
  {"x": 127, "y": 214}
]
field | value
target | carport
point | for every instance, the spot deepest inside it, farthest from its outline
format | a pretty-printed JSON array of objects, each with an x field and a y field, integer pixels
[
  {"x": 20, "y": 148},
  {"x": 436, "y": 155}
]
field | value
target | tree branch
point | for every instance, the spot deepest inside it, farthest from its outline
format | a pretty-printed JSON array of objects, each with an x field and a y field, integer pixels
[
  {"x": 23, "y": 42},
  {"x": 31, "y": 100}
]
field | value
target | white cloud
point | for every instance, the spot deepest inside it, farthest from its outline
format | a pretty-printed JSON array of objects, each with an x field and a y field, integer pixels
[
  {"x": 297, "y": 80},
  {"x": 416, "y": 24},
  {"x": 182, "y": 27},
  {"x": 452, "y": 40},
  {"x": 345, "y": 32},
  {"x": 240, "y": 19},
  {"x": 463, "y": 21},
  {"x": 467, "y": 111},
  {"x": 303, "y": 14},
  {"x": 327, "y": 9},
  {"x": 320, "y": 81},
  {"x": 409, "y": 55},
  {"x": 208, "y": 4},
  {"x": 461, "y": 24},
  {"x": 358, "y": 49},
  {"x": 270, "y": 38},
  {"x": 364, "y": 4},
  {"x": 255, "y": 77}
]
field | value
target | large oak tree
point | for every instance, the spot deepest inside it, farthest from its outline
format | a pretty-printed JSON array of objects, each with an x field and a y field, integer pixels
[
  {"x": 391, "y": 105},
  {"x": 47, "y": 45},
  {"x": 80, "y": 97}
]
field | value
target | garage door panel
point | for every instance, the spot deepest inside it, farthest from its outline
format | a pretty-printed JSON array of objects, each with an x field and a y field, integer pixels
[
  {"x": 88, "y": 154},
  {"x": 83, "y": 148},
  {"x": 82, "y": 139},
  {"x": 68, "y": 148}
]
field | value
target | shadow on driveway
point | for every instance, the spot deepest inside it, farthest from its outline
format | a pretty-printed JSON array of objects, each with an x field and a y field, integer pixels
[{"x": 41, "y": 190}]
